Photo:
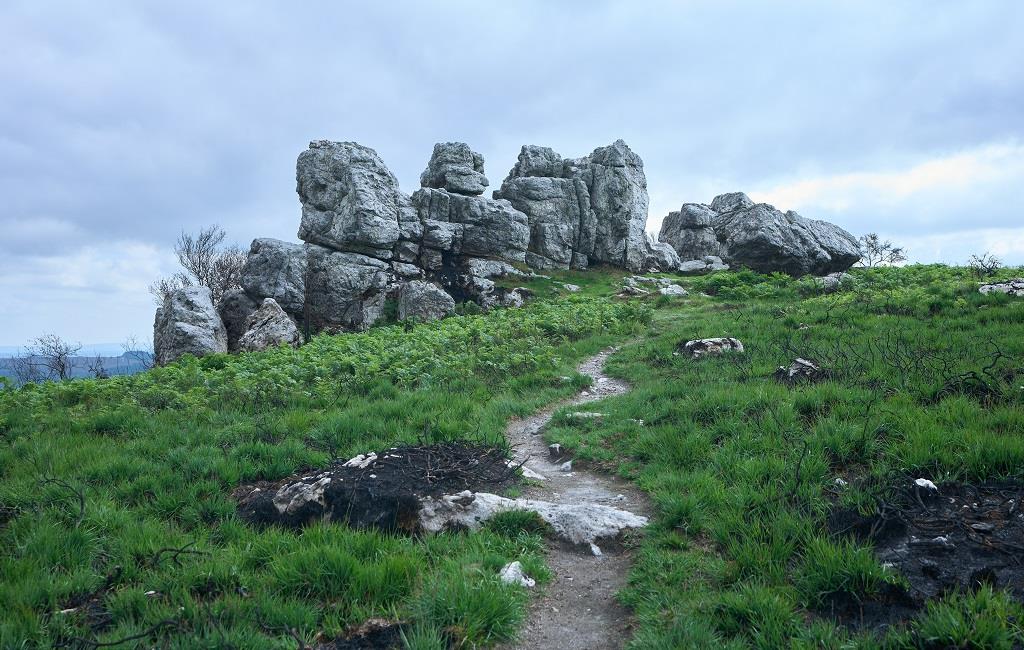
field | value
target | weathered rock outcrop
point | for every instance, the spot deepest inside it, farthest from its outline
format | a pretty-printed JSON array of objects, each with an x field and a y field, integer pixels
[
  {"x": 424, "y": 301},
  {"x": 276, "y": 269},
  {"x": 759, "y": 236},
  {"x": 350, "y": 199},
  {"x": 268, "y": 327},
  {"x": 1010, "y": 287},
  {"x": 366, "y": 242},
  {"x": 583, "y": 211},
  {"x": 456, "y": 168},
  {"x": 187, "y": 323}
]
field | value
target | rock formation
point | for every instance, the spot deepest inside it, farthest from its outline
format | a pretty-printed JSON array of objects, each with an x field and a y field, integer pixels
[
  {"x": 759, "y": 236},
  {"x": 583, "y": 211},
  {"x": 187, "y": 323},
  {"x": 366, "y": 243},
  {"x": 268, "y": 327}
]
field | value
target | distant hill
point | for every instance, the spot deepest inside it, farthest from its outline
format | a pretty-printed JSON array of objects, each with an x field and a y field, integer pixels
[{"x": 127, "y": 363}]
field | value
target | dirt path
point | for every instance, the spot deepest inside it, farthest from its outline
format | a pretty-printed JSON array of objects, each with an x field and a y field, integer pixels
[{"x": 578, "y": 609}]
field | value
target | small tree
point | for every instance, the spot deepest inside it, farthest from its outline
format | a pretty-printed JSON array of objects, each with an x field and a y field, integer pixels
[
  {"x": 206, "y": 262},
  {"x": 875, "y": 252},
  {"x": 135, "y": 350},
  {"x": 985, "y": 265},
  {"x": 53, "y": 356}
]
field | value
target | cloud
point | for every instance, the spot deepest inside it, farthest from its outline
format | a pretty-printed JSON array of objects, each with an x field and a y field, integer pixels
[{"x": 130, "y": 122}]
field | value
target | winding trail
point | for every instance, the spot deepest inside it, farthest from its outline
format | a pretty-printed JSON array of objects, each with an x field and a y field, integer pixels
[{"x": 578, "y": 609}]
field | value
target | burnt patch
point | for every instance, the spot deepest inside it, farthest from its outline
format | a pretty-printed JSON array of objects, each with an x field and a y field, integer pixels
[
  {"x": 955, "y": 539},
  {"x": 373, "y": 634},
  {"x": 379, "y": 490}
]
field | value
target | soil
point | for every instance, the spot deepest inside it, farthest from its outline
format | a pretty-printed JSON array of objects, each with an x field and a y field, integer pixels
[
  {"x": 386, "y": 492},
  {"x": 374, "y": 634},
  {"x": 956, "y": 540},
  {"x": 578, "y": 610}
]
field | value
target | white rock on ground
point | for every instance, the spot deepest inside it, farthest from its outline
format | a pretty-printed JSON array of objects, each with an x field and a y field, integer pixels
[
  {"x": 512, "y": 574},
  {"x": 714, "y": 347},
  {"x": 582, "y": 523},
  {"x": 1010, "y": 287},
  {"x": 672, "y": 290}
]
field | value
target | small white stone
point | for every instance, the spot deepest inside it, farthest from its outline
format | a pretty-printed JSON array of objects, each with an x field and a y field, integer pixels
[
  {"x": 595, "y": 550},
  {"x": 925, "y": 484},
  {"x": 840, "y": 483},
  {"x": 512, "y": 574},
  {"x": 566, "y": 466}
]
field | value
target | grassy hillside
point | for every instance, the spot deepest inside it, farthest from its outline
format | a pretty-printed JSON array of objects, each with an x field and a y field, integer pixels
[{"x": 115, "y": 495}]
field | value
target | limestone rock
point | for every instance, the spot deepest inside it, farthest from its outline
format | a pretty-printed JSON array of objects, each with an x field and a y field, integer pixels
[
  {"x": 424, "y": 301},
  {"x": 350, "y": 199},
  {"x": 456, "y": 168},
  {"x": 592, "y": 209},
  {"x": 672, "y": 290},
  {"x": 707, "y": 264},
  {"x": 471, "y": 225},
  {"x": 344, "y": 291},
  {"x": 758, "y": 236},
  {"x": 276, "y": 269},
  {"x": 188, "y": 323},
  {"x": 1010, "y": 287},
  {"x": 833, "y": 281},
  {"x": 689, "y": 231},
  {"x": 512, "y": 574},
  {"x": 268, "y": 327},
  {"x": 577, "y": 523},
  {"x": 730, "y": 202},
  {"x": 711, "y": 347},
  {"x": 235, "y": 308},
  {"x": 801, "y": 370}
]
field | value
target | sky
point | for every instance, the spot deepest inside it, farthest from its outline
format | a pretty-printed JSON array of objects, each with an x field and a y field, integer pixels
[{"x": 124, "y": 124}]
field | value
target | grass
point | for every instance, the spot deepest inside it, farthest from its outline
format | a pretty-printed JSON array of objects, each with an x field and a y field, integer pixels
[
  {"x": 118, "y": 492},
  {"x": 742, "y": 468},
  {"x": 112, "y": 490}
]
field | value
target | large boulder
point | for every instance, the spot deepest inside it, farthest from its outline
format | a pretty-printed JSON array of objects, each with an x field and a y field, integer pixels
[
  {"x": 689, "y": 231},
  {"x": 350, "y": 199},
  {"x": 424, "y": 301},
  {"x": 276, "y": 269},
  {"x": 456, "y": 168},
  {"x": 268, "y": 327},
  {"x": 759, "y": 236},
  {"x": 344, "y": 291},
  {"x": 618, "y": 196},
  {"x": 591, "y": 209},
  {"x": 187, "y": 323}
]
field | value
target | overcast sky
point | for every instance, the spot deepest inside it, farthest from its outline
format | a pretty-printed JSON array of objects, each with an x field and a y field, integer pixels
[{"x": 123, "y": 123}]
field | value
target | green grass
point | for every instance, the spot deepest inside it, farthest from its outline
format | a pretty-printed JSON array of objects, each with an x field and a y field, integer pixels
[
  {"x": 741, "y": 468},
  {"x": 100, "y": 481}
]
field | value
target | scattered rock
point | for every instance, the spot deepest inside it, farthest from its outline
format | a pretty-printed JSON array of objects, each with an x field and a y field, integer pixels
[
  {"x": 926, "y": 485},
  {"x": 571, "y": 288},
  {"x": 565, "y": 467},
  {"x": 714, "y": 347},
  {"x": 801, "y": 370},
  {"x": 583, "y": 415},
  {"x": 268, "y": 327},
  {"x": 833, "y": 281},
  {"x": 424, "y": 301},
  {"x": 1010, "y": 287},
  {"x": 512, "y": 574},
  {"x": 672, "y": 290},
  {"x": 583, "y": 523},
  {"x": 707, "y": 264},
  {"x": 187, "y": 323}
]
